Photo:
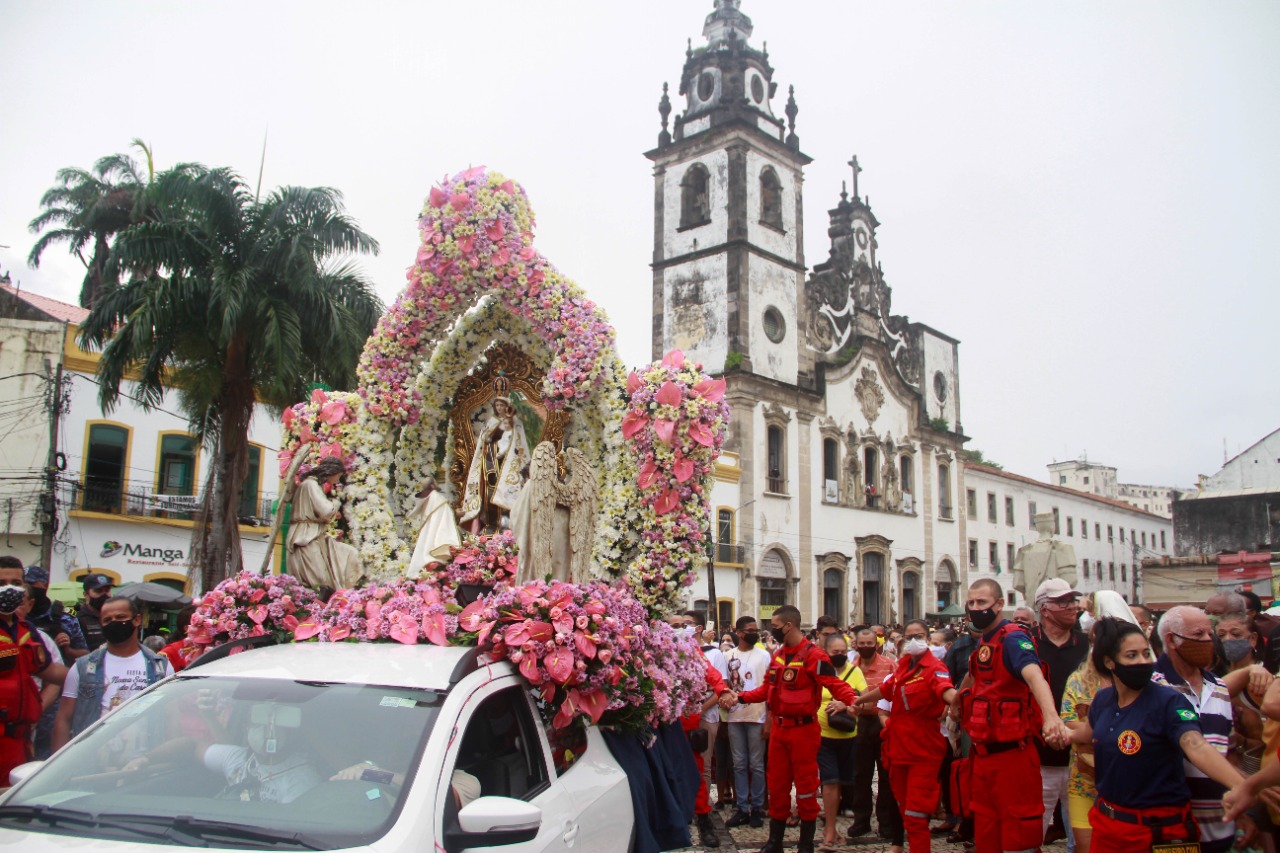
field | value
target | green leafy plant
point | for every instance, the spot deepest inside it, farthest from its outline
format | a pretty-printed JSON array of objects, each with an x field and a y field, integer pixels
[{"x": 733, "y": 360}]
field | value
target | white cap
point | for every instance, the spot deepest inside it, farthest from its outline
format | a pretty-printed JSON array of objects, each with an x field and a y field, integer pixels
[{"x": 1054, "y": 588}]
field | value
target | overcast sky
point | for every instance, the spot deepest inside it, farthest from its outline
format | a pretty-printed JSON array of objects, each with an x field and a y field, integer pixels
[{"x": 1085, "y": 194}]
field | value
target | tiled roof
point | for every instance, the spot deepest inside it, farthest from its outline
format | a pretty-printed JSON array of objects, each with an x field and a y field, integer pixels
[
  {"x": 63, "y": 311},
  {"x": 973, "y": 466}
]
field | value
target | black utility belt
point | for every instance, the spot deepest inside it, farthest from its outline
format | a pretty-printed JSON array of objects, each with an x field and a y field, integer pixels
[
  {"x": 999, "y": 746},
  {"x": 1138, "y": 819},
  {"x": 794, "y": 721}
]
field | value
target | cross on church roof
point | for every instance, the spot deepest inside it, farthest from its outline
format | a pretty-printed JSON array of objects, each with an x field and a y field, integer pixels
[{"x": 856, "y": 170}]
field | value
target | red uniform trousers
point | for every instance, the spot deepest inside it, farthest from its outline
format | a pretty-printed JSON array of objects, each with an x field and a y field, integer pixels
[
  {"x": 1008, "y": 806},
  {"x": 13, "y": 751},
  {"x": 916, "y": 788},
  {"x": 793, "y": 757},
  {"x": 1118, "y": 836}
]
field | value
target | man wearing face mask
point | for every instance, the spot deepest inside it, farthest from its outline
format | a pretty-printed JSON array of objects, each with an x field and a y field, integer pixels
[
  {"x": 97, "y": 589},
  {"x": 22, "y": 658},
  {"x": 747, "y": 666},
  {"x": 866, "y": 757},
  {"x": 1005, "y": 703},
  {"x": 917, "y": 693},
  {"x": 48, "y": 616},
  {"x": 793, "y": 690},
  {"x": 1188, "y": 652},
  {"x": 108, "y": 676}
]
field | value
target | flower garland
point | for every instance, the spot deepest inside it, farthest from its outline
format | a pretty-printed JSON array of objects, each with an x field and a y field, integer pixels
[
  {"x": 482, "y": 560},
  {"x": 406, "y": 612},
  {"x": 676, "y": 424},
  {"x": 248, "y": 605}
]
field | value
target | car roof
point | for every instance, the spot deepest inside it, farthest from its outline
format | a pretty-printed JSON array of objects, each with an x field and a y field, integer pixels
[{"x": 419, "y": 666}]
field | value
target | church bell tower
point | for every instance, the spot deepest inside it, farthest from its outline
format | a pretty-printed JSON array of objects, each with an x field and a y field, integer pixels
[{"x": 728, "y": 254}]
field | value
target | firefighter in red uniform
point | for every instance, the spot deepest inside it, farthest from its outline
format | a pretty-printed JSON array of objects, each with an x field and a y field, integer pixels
[
  {"x": 918, "y": 693},
  {"x": 1004, "y": 703},
  {"x": 793, "y": 689},
  {"x": 22, "y": 656}
]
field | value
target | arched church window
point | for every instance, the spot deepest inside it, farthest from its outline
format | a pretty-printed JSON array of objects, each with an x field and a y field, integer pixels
[
  {"x": 695, "y": 197},
  {"x": 830, "y": 470},
  {"x": 770, "y": 198},
  {"x": 944, "y": 491}
]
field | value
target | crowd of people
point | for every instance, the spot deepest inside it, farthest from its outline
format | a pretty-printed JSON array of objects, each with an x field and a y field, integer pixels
[{"x": 1083, "y": 718}]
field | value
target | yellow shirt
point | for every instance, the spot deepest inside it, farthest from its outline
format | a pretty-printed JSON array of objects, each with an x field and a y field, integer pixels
[{"x": 858, "y": 683}]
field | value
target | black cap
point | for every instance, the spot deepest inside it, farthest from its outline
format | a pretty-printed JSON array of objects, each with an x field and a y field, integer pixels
[{"x": 96, "y": 581}]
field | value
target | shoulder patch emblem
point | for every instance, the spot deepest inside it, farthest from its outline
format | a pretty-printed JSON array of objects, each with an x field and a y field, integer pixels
[
  {"x": 984, "y": 654},
  {"x": 789, "y": 674},
  {"x": 1027, "y": 644},
  {"x": 1188, "y": 715},
  {"x": 1129, "y": 742}
]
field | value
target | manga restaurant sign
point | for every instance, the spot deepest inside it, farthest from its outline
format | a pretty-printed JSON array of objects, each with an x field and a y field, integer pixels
[{"x": 137, "y": 553}]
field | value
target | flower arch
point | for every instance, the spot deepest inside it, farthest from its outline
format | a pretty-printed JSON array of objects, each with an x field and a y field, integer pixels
[{"x": 476, "y": 279}]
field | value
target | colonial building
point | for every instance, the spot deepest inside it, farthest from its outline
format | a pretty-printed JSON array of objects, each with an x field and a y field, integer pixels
[
  {"x": 1085, "y": 476},
  {"x": 128, "y": 481},
  {"x": 1110, "y": 537},
  {"x": 1236, "y": 509},
  {"x": 841, "y": 477}
]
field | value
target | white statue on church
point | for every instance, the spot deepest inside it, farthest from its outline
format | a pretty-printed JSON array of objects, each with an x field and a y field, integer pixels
[
  {"x": 1045, "y": 558},
  {"x": 555, "y": 519},
  {"x": 889, "y": 477},
  {"x": 495, "y": 477},
  {"x": 437, "y": 528}
]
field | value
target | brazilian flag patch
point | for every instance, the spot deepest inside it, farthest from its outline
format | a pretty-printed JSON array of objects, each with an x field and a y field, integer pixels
[
  {"x": 1027, "y": 644},
  {"x": 1189, "y": 716}
]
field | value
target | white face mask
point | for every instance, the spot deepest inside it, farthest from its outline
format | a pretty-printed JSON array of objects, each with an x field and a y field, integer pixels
[
  {"x": 938, "y": 652},
  {"x": 1086, "y": 621},
  {"x": 915, "y": 647}
]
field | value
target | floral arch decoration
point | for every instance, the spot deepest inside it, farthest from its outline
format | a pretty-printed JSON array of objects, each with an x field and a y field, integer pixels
[{"x": 477, "y": 279}]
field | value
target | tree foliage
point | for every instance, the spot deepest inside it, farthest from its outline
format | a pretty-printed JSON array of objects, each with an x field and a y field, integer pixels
[
  {"x": 974, "y": 455},
  {"x": 231, "y": 299}
]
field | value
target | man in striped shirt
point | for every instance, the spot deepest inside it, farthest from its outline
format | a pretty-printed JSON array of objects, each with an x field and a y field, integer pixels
[{"x": 1188, "y": 652}]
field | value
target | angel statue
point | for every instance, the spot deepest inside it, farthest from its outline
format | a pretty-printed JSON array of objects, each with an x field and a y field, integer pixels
[
  {"x": 494, "y": 479},
  {"x": 555, "y": 520},
  {"x": 316, "y": 558},
  {"x": 437, "y": 528}
]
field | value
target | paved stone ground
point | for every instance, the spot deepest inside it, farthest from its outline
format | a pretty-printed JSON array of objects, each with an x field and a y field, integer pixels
[{"x": 744, "y": 838}]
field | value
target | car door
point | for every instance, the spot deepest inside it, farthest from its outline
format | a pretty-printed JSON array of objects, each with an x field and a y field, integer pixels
[
  {"x": 496, "y": 741},
  {"x": 598, "y": 785}
]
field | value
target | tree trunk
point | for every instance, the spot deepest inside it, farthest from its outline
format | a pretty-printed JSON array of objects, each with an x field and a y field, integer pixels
[{"x": 222, "y": 555}]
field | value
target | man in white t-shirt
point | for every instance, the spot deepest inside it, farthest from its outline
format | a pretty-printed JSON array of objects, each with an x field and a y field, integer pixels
[
  {"x": 747, "y": 666},
  {"x": 110, "y": 675}
]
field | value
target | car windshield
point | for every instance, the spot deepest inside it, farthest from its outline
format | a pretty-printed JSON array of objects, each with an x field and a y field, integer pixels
[{"x": 272, "y": 763}]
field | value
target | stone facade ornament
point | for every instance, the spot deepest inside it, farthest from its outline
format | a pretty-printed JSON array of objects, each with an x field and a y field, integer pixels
[
  {"x": 889, "y": 481},
  {"x": 870, "y": 395}
]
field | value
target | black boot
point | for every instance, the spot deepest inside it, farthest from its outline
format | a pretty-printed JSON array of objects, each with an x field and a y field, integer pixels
[
  {"x": 807, "y": 829},
  {"x": 777, "y": 829},
  {"x": 707, "y": 835}
]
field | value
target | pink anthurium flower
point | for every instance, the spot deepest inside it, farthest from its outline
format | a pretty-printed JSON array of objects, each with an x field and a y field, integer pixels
[
  {"x": 665, "y": 429},
  {"x": 541, "y": 632},
  {"x": 339, "y": 633},
  {"x": 667, "y": 502},
  {"x": 669, "y": 394},
  {"x": 472, "y": 616},
  {"x": 594, "y": 702},
  {"x": 559, "y": 664},
  {"x": 675, "y": 359},
  {"x": 433, "y": 629},
  {"x": 460, "y": 201},
  {"x": 258, "y": 614},
  {"x": 437, "y": 198},
  {"x": 548, "y": 691},
  {"x": 648, "y": 475},
  {"x": 318, "y": 397},
  {"x": 507, "y": 187},
  {"x": 404, "y": 630},
  {"x": 683, "y": 469},
  {"x": 305, "y": 436},
  {"x": 257, "y": 595},
  {"x": 633, "y": 422},
  {"x": 529, "y": 669},
  {"x": 586, "y": 646},
  {"x": 289, "y": 417},
  {"x": 333, "y": 412},
  {"x": 306, "y": 630},
  {"x": 495, "y": 231},
  {"x": 699, "y": 433},
  {"x": 633, "y": 382},
  {"x": 290, "y": 622}
]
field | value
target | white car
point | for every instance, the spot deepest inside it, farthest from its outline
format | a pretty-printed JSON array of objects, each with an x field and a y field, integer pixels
[{"x": 242, "y": 752}]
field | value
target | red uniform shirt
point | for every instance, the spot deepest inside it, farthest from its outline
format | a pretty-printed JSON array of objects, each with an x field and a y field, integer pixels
[
  {"x": 914, "y": 692},
  {"x": 793, "y": 685}
]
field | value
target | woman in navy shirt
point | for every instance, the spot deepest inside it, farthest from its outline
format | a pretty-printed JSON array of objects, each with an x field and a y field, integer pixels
[{"x": 1140, "y": 732}]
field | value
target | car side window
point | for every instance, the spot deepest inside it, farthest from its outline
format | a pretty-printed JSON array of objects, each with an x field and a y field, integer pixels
[{"x": 500, "y": 750}]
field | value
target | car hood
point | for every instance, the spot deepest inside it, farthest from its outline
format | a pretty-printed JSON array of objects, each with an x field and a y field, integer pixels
[{"x": 20, "y": 841}]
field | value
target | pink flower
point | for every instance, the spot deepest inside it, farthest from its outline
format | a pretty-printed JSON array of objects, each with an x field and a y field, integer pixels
[
  {"x": 648, "y": 475},
  {"x": 633, "y": 383},
  {"x": 559, "y": 663},
  {"x": 669, "y": 394},
  {"x": 529, "y": 669},
  {"x": 433, "y": 629},
  {"x": 403, "y": 629},
  {"x": 333, "y": 412},
  {"x": 593, "y": 702},
  {"x": 675, "y": 358},
  {"x": 665, "y": 429},
  {"x": 585, "y": 645},
  {"x": 701, "y": 434},
  {"x": 667, "y": 502},
  {"x": 437, "y": 198},
  {"x": 258, "y": 614},
  {"x": 306, "y": 630},
  {"x": 633, "y": 423},
  {"x": 460, "y": 202},
  {"x": 711, "y": 390},
  {"x": 683, "y": 469}
]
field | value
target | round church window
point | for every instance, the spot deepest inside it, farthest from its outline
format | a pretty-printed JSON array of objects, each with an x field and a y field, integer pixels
[
  {"x": 706, "y": 86},
  {"x": 940, "y": 386},
  {"x": 757, "y": 88},
  {"x": 775, "y": 328}
]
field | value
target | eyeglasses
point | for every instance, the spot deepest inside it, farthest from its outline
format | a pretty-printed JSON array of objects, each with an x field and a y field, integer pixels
[{"x": 1063, "y": 602}]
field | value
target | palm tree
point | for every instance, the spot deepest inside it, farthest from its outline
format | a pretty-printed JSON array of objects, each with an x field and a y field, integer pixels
[
  {"x": 231, "y": 299},
  {"x": 87, "y": 208}
]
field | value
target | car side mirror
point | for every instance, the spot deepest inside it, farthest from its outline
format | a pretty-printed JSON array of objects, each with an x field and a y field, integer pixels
[
  {"x": 494, "y": 821},
  {"x": 23, "y": 771}
]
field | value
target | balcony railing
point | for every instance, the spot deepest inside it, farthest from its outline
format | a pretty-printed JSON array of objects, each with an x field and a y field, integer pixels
[
  {"x": 727, "y": 552},
  {"x": 133, "y": 499}
]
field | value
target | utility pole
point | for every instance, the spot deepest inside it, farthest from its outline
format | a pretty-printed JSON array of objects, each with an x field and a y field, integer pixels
[
  {"x": 49, "y": 501},
  {"x": 713, "y": 606}
]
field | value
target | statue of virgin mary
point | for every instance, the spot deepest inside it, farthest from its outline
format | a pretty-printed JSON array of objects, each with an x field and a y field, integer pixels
[{"x": 497, "y": 471}]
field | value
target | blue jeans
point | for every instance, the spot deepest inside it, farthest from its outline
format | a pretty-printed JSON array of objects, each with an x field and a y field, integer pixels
[{"x": 746, "y": 743}]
